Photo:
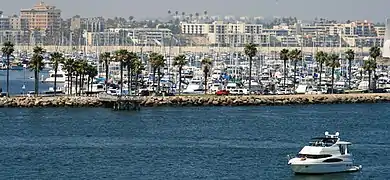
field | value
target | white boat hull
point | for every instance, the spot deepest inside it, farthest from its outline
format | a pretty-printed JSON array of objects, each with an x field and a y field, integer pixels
[{"x": 324, "y": 168}]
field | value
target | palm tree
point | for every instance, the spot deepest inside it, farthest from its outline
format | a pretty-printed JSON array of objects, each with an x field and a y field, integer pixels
[
  {"x": 295, "y": 55},
  {"x": 36, "y": 64},
  {"x": 375, "y": 52},
  {"x": 206, "y": 63},
  {"x": 68, "y": 66},
  {"x": 350, "y": 56},
  {"x": 82, "y": 69},
  {"x": 284, "y": 56},
  {"x": 251, "y": 51},
  {"x": 8, "y": 49},
  {"x": 157, "y": 62},
  {"x": 92, "y": 72},
  {"x": 105, "y": 58},
  {"x": 369, "y": 66},
  {"x": 333, "y": 62},
  {"x": 56, "y": 58},
  {"x": 120, "y": 56},
  {"x": 321, "y": 58},
  {"x": 131, "y": 57},
  {"x": 180, "y": 61},
  {"x": 137, "y": 68}
]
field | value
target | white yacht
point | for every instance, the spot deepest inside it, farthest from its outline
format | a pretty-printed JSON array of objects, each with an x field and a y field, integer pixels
[
  {"x": 61, "y": 77},
  {"x": 324, "y": 155}
]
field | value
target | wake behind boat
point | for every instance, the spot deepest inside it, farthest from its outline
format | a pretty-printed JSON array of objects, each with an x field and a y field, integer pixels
[{"x": 324, "y": 155}]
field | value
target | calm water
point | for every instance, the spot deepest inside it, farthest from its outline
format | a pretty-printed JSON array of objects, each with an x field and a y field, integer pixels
[
  {"x": 185, "y": 143},
  {"x": 18, "y": 78}
]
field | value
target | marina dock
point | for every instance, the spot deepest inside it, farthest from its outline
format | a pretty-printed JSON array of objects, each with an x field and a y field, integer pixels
[{"x": 120, "y": 103}]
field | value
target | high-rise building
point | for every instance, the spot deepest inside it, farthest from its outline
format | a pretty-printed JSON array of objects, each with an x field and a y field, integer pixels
[{"x": 42, "y": 17}]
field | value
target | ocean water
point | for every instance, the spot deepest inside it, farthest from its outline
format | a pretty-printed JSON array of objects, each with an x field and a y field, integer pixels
[
  {"x": 20, "y": 78},
  {"x": 186, "y": 143}
]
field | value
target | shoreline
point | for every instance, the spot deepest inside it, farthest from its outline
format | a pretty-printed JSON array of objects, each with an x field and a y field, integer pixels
[{"x": 199, "y": 100}]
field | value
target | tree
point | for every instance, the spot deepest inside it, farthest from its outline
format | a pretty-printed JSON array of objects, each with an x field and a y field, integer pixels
[
  {"x": 321, "y": 58},
  {"x": 157, "y": 62},
  {"x": 251, "y": 51},
  {"x": 333, "y": 62},
  {"x": 206, "y": 63},
  {"x": 375, "y": 52},
  {"x": 131, "y": 57},
  {"x": 295, "y": 55},
  {"x": 56, "y": 58},
  {"x": 284, "y": 56},
  {"x": 92, "y": 72},
  {"x": 82, "y": 69},
  {"x": 68, "y": 66},
  {"x": 36, "y": 64},
  {"x": 8, "y": 49},
  {"x": 120, "y": 56},
  {"x": 350, "y": 56},
  {"x": 105, "y": 58},
  {"x": 180, "y": 61},
  {"x": 137, "y": 68},
  {"x": 369, "y": 66}
]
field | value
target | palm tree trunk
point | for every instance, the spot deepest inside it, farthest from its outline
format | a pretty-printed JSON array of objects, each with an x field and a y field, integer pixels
[
  {"x": 55, "y": 80},
  {"x": 106, "y": 64},
  {"x": 295, "y": 73},
  {"x": 8, "y": 56},
  {"x": 349, "y": 73},
  {"x": 136, "y": 84},
  {"x": 250, "y": 74},
  {"x": 77, "y": 78},
  {"x": 320, "y": 74},
  {"x": 369, "y": 81},
  {"x": 205, "y": 80},
  {"x": 154, "y": 77},
  {"x": 332, "y": 79},
  {"x": 88, "y": 79},
  {"x": 71, "y": 84},
  {"x": 128, "y": 79},
  {"x": 158, "y": 82},
  {"x": 68, "y": 90},
  {"x": 121, "y": 78},
  {"x": 180, "y": 79},
  {"x": 36, "y": 76},
  {"x": 285, "y": 72}
]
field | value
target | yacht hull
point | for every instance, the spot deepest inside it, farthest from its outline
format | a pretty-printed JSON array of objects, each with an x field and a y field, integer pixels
[{"x": 324, "y": 168}]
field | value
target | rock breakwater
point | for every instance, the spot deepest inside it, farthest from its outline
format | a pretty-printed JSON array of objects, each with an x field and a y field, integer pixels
[
  {"x": 264, "y": 100},
  {"x": 199, "y": 100},
  {"x": 58, "y": 101}
]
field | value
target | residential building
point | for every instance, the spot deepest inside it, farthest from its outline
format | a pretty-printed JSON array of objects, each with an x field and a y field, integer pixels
[
  {"x": 130, "y": 36},
  {"x": 42, "y": 17},
  {"x": 4, "y": 22},
  {"x": 16, "y": 23}
]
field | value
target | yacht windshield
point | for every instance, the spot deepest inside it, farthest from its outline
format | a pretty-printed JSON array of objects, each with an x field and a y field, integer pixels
[{"x": 323, "y": 142}]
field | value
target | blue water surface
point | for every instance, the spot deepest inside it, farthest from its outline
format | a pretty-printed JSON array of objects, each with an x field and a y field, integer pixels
[{"x": 185, "y": 143}]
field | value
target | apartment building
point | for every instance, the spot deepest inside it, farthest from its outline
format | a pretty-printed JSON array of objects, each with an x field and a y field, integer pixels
[
  {"x": 42, "y": 17},
  {"x": 130, "y": 36},
  {"x": 4, "y": 22},
  {"x": 220, "y": 32}
]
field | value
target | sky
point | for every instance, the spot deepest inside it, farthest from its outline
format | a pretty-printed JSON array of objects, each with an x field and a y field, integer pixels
[{"x": 375, "y": 10}]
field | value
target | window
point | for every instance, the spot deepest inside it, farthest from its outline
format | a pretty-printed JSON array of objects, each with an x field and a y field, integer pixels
[
  {"x": 333, "y": 160},
  {"x": 311, "y": 156}
]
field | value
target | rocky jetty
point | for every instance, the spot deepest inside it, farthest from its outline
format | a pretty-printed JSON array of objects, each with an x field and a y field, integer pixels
[
  {"x": 264, "y": 100},
  {"x": 199, "y": 100},
  {"x": 59, "y": 101}
]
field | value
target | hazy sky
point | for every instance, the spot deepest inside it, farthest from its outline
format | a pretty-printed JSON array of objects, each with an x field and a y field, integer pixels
[{"x": 376, "y": 10}]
